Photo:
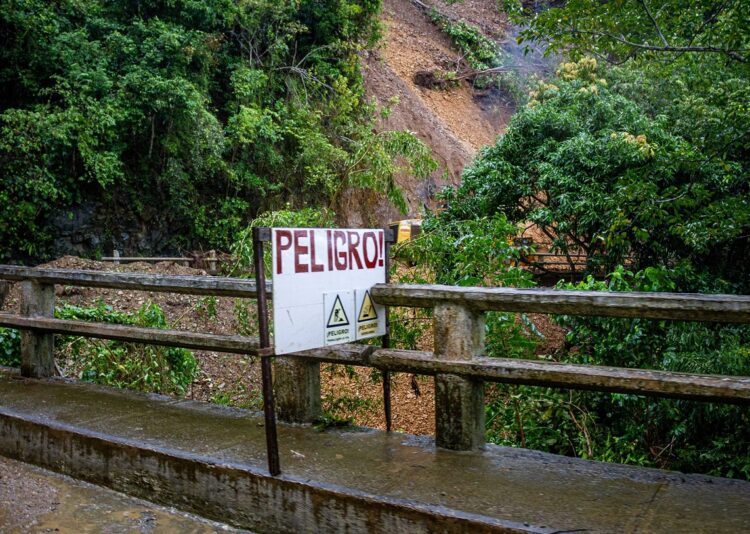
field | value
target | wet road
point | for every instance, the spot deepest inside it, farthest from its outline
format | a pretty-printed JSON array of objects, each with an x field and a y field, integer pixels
[{"x": 36, "y": 500}]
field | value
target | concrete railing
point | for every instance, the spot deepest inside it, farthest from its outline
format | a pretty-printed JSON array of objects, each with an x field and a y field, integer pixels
[{"x": 457, "y": 361}]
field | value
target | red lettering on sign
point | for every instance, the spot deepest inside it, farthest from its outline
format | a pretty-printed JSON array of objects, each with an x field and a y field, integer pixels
[
  {"x": 339, "y": 254},
  {"x": 345, "y": 250},
  {"x": 300, "y": 250},
  {"x": 329, "y": 238},
  {"x": 353, "y": 252},
  {"x": 381, "y": 254},
  {"x": 370, "y": 261},
  {"x": 314, "y": 267},
  {"x": 280, "y": 246}
]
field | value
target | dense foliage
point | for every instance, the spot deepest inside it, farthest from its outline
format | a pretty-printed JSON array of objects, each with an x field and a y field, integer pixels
[
  {"x": 595, "y": 172},
  {"x": 129, "y": 365},
  {"x": 185, "y": 116},
  {"x": 629, "y": 28},
  {"x": 682, "y": 435}
]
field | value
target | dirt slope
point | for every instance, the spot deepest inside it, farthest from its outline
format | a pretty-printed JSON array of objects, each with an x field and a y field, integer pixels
[{"x": 455, "y": 123}]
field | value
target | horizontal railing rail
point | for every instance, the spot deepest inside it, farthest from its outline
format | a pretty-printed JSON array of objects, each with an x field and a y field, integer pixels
[
  {"x": 137, "y": 334},
  {"x": 148, "y": 259},
  {"x": 671, "y": 306},
  {"x": 674, "y": 306},
  {"x": 191, "y": 285},
  {"x": 716, "y": 388}
]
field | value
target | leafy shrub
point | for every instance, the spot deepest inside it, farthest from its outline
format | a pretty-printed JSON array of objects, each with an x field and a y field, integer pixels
[
  {"x": 682, "y": 435},
  {"x": 10, "y": 347},
  {"x": 480, "y": 52},
  {"x": 127, "y": 365},
  {"x": 675, "y": 434},
  {"x": 474, "y": 252}
]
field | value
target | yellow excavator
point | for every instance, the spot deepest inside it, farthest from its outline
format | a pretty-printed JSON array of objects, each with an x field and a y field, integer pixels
[{"x": 406, "y": 229}]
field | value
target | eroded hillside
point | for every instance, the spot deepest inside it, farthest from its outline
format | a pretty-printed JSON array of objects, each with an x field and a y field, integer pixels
[{"x": 456, "y": 121}]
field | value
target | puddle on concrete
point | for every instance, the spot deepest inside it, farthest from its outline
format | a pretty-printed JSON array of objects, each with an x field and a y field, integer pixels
[{"x": 36, "y": 500}]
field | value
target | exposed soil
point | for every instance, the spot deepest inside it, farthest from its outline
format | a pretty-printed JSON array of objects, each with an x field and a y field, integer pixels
[
  {"x": 483, "y": 14},
  {"x": 356, "y": 394},
  {"x": 413, "y": 43},
  {"x": 454, "y": 120}
]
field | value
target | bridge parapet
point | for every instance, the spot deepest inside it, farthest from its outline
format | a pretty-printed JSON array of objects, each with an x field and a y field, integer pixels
[{"x": 457, "y": 360}]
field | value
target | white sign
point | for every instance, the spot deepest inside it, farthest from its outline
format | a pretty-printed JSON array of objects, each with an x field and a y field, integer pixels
[{"x": 321, "y": 286}]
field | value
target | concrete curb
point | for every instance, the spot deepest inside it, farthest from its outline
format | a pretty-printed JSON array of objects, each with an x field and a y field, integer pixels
[{"x": 240, "y": 495}]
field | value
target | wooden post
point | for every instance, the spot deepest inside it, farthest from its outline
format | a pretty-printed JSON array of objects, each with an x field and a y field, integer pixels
[
  {"x": 116, "y": 257},
  {"x": 297, "y": 386},
  {"x": 459, "y": 402},
  {"x": 37, "y": 348},
  {"x": 4, "y": 288}
]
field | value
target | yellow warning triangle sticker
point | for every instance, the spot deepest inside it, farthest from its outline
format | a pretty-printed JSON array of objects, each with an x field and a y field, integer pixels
[
  {"x": 338, "y": 315},
  {"x": 367, "y": 312}
]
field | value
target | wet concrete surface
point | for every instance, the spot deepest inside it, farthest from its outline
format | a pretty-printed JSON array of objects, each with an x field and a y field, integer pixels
[
  {"x": 36, "y": 500},
  {"x": 543, "y": 492}
]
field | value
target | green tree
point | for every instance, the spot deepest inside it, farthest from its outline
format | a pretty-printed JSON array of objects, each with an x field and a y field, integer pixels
[
  {"x": 619, "y": 30},
  {"x": 186, "y": 116},
  {"x": 595, "y": 172}
]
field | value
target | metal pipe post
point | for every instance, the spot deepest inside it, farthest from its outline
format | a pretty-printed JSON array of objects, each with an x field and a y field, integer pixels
[
  {"x": 260, "y": 235},
  {"x": 386, "y": 340}
]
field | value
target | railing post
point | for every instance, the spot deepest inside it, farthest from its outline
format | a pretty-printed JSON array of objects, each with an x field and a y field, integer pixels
[
  {"x": 297, "y": 385},
  {"x": 459, "y": 402},
  {"x": 37, "y": 348},
  {"x": 4, "y": 286}
]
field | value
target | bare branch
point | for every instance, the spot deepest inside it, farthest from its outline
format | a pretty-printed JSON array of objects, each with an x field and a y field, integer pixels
[
  {"x": 735, "y": 54},
  {"x": 305, "y": 74},
  {"x": 656, "y": 24}
]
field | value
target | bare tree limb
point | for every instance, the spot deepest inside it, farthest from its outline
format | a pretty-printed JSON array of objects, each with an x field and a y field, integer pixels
[
  {"x": 735, "y": 54},
  {"x": 305, "y": 74},
  {"x": 656, "y": 24}
]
